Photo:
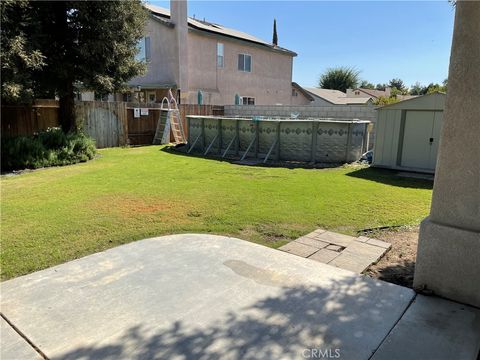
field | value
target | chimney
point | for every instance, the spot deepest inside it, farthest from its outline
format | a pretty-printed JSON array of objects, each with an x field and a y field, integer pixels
[{"x": 178, "y": 15}]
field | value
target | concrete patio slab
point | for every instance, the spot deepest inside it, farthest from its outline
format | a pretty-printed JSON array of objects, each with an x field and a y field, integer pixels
[
  {"x": 324, "y": 255},
  {"x": 356, "y": 254},
  {"x": 299, "y": 249},
  {"x": 312, "y": 242},
  {"x": 13, "y": 346},
  {"x": 434, "y": 328},
  {"x": 200, "y": 296},
  {"x": 379, "y": 243},
  {"x": 336, "y": 238}
]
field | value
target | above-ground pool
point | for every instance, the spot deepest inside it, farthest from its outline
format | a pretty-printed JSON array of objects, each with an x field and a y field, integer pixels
[{"x": 309, "y": 140}]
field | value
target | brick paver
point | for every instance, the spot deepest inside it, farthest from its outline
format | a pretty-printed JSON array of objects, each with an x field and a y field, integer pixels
[{"x": 343, "y": 251}]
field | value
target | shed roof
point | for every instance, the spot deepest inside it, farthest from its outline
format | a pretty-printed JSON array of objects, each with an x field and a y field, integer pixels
[
  {"x": 162, "y": 14},
  {"x": 433, "y": 101}
]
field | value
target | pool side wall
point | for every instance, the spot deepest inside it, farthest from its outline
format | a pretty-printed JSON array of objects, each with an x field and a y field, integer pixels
[{"x": 283, "y": 140}]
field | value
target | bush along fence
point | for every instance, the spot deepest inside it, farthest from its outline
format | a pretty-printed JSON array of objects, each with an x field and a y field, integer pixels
[
  {"x": 50, "y": 147},
  {"x": 110, "y": 124}
]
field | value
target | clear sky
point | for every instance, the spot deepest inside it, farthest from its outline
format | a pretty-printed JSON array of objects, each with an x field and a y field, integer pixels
[{"x": 383, "y": 39}]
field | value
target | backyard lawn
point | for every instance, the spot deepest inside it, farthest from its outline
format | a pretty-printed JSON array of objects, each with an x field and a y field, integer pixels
[{"x": 53, "y": 215}]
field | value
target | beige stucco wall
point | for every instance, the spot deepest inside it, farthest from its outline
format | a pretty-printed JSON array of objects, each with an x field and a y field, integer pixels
[
  {"x": 269, "y": 82},
  {"x": 163, "y": 65},
  {"x": 300, "y": 99}
]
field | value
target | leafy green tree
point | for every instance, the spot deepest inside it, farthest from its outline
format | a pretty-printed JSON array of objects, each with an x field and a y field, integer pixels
[
  {"x": 20, "y": 55},
  {"x": 381, "y": 87},
  {"x": 339, "y": 78},
  {"x": 398, "y": 84},
  {"x": 434, "y": 87},
  {"x": 416, "y": 89},
  {"x": 367, "y": 85},
  {"x": 385, "y": 100},
  {"x": 88, "y": 43}
]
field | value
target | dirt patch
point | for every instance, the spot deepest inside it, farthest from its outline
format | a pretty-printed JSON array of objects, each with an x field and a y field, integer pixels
[
  {"x": 128, "y": 206},
  {"x": 272, "y": 234},
  {"x": 398, "y": 264}
]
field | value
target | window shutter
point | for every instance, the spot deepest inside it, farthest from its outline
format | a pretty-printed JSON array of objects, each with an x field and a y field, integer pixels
[{"x": 147, "y": 48}]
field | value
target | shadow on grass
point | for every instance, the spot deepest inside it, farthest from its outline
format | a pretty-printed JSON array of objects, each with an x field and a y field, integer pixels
[
  {"x": 390, "y": 177},
  {"x": 249, "y": 161},
  {"x": 347, "y": 314}
]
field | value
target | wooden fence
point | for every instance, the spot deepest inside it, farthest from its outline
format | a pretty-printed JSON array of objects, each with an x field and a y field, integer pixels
[
  {"x": 109, "y": 123},
  {"x": 141, "y": 130},
  {"x": 26, "y": 120}
]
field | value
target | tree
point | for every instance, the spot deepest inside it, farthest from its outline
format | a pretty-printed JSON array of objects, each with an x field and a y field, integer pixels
[
  {"x": 398, "y": 84},
  {"x": 367, "y": 85},
  {"x": 385, "y": 100},
  {"x": 20, "y": 56},
  {"x": 416, "y": 89},
  {"x": 275, "y": 36},
  {"x": 339, "y": 78},
  {"x": 88, "y": 43},
  {"x": 434, "y": 87},
  {"x": 381, "y": 87}
]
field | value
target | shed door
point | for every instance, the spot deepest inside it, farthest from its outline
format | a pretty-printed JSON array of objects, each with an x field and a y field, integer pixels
[
  {"x": 416, "y": 139},
  {"x": 437, "y": 127}
]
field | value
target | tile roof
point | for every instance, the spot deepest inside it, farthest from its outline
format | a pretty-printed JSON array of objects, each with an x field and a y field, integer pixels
[
  {"x": 163, "y": 13},
  {"x": 337, "y": 97}
]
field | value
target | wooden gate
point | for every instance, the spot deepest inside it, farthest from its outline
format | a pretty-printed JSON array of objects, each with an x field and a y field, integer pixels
[{"x": 103, "y": 121}]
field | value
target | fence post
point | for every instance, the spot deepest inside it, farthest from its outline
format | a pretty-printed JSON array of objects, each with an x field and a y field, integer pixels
[
  {"x": 349, "y": 141},
  {"x": 203, "y": 134},
  {"x": 257, "y": 135},
  {"x": 277, "y": 152},
  {"x": 314, "y": 141},
  {"x": 237, "y": 136},
  {"x": 220, "y": 137},
  {"x": 189, "y": 138}
]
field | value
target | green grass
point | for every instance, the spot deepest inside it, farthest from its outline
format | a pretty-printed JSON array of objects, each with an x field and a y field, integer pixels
[{"x": 54, "y": 215}]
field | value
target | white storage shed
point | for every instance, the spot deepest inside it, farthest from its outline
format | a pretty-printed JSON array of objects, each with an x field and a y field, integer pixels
[{"x": 408, "y": 132}]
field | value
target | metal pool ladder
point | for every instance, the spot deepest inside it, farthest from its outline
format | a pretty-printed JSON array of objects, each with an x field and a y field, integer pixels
[{"x": 173, "y": 123}]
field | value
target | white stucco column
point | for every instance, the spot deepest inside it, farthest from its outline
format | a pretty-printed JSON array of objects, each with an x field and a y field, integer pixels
[
  {"x": 179, "y": 16},
  {"x": 448, "y": 259}
]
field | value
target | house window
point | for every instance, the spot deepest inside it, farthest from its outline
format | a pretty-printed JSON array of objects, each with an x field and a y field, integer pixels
[
  {"x": 357, "y": 92},
  {"x": 151, "y": 97},
  {"x": 220, "y": 61},
  {"x": 245, "y": 62},
  {"x": 127, "y": 97},
  {"x": 143, "y": 46},
  {"x": 248, "y": 100},
  {"x": 294, "y": 92},
  {"x": 101, "y": 97}
]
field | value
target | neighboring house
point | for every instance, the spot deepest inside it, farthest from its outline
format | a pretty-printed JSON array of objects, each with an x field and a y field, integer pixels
[
  {"x": 368, "y": 93},
  {"x": 326, "y": 97},
  {"x": 375, "y": 94},
  {"x": 208, "y": 63},
  {"x": 300, "y": 96},
  {"x": 408, "y": 133}
]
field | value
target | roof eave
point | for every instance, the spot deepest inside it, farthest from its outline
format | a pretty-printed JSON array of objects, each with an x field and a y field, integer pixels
[{"x": 226, "y": 36}]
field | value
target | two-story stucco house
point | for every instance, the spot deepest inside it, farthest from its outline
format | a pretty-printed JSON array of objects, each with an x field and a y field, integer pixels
[{"x": 211, "y": 64}]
